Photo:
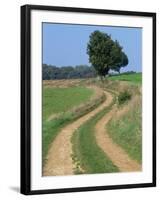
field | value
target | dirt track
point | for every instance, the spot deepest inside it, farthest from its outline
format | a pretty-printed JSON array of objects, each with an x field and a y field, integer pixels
[
  {"x": 59, "y": 161},
  {"x": 117, "y": 155}
]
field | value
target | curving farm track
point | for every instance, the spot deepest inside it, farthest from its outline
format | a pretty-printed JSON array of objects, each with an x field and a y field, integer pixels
[{"x": 59, "y": 160}]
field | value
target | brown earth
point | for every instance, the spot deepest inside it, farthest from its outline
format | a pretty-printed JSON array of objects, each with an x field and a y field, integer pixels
[{"x": 62, "y": 83}]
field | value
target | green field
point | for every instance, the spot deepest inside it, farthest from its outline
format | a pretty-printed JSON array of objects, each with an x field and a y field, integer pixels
[
  {"x": 133, "y": 78},
  {"x": 56, "y": 100}
]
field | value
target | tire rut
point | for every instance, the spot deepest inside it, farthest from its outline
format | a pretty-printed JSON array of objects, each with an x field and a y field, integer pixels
[
  {"x": 59, "y": 160},
  {"x": 116, "y": 154}
]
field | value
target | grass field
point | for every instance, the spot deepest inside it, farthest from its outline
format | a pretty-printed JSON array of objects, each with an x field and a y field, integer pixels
[
  {"x": 56, "y": 100},
  {"x": 126, "y": 131},
  {"x": 135, "y": 78},
  {"x": 86, "y": 153}
]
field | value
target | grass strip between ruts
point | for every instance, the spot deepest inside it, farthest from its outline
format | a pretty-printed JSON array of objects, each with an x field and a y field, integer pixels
[{"x": 88, "y": 157}]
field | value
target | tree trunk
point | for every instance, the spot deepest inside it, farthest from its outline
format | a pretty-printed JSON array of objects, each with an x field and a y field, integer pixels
[{"x": 101, "y": 78}]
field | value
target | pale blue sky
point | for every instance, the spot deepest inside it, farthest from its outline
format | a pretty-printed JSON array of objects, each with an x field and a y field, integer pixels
[{"x": 65, "y": 44}]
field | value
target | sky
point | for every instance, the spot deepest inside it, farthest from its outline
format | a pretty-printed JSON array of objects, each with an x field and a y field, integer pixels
[{"x": 66, "y": 44}]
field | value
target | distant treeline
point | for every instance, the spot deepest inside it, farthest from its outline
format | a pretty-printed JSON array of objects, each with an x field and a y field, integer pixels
[
  {"x": 51, "y": 72},
  {"x": 67, "y": 72}
]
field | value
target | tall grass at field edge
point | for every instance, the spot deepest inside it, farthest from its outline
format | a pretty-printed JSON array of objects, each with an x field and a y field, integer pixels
[{"x": 126, "y": 130}]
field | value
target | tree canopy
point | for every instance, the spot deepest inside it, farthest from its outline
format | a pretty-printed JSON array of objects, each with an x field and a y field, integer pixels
[
  {"x": 105, "y": 54},
  {"x": 124, "y": 62}
]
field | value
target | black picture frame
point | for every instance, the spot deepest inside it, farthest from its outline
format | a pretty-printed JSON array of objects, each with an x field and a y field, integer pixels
[{"x": 26, "y": 97}]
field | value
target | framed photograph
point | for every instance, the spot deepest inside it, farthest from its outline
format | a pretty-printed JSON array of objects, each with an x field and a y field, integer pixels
[{"x": 88, "y": 99}]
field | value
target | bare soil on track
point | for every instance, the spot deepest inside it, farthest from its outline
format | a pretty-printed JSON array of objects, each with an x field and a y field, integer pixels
[
  {"x": 59, "y": 160},
  {"x": 116, "y": 154}
]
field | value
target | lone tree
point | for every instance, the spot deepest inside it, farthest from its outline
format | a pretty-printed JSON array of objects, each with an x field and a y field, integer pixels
[{"x": 104, "y": 53}]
